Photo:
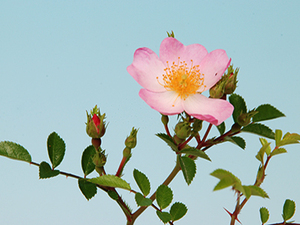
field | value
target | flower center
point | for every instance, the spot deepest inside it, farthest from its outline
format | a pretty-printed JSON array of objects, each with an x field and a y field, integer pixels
[{"x": 183, "y": 79}]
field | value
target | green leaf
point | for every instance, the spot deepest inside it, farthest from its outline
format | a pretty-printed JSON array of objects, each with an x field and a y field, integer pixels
[
  {"x": 288, "y": 209},
  {"x": 266, "y": 112},
  {"x": 278, "y": 136},
  {"x": 168, "y": 140},
  {"x": 141, "y": 200},
  {"x": 56, "y": 149},
  {"x": 237, "y": 140},
  {"x": 260, "y": 129},
  {"x": 164, "y": 216},
  {"x": 195, "y": 152},
  {"x": 265, "y": 143},
  {"x": 178, "y": 210},
  {"x": 111, "y": 181},
  {"x": 264, "y": 214},
  {"x": 142, "y": 181},
  {"x": 164, "y": 196},
  {"x": 227, "y": 179},
  {"x": 188, "y": 168},
  {"x": 264, "y": 149},
  {"x": 239, "y": 106},
  {"x": 45, "y": 171},
  {"x": 88, "y": 189},
  {"x": 14, "y": 151},
  {"x": 221, "y": 128},
  {"x": 87, "y": 164},
  {"x": 277, "y": 151},
  {"x": 254, "y": 190},
  {"x": 113, "y": 195},
  {"x": 289, "y": 138}
]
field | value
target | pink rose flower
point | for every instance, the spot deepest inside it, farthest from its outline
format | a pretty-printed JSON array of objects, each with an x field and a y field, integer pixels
[{"x": 174, "y": 81}]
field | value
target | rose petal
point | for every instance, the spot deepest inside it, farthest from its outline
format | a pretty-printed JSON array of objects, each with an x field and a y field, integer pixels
[
  {"x": 171, "y": 49},
  {"x": 145, "y": 69},
  {"x": 212, "y": 110},
  {"x": 213, "y": 67},
  {"x": 167, "y": 103}
]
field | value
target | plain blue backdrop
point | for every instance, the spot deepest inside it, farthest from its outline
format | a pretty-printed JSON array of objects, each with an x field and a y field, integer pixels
[{"x": 60, "y": 58}]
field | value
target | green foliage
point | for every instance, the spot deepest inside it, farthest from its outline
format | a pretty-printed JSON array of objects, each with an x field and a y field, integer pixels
[
  {"x": 164, "y": 196},
  {"x": 287, "y": 139},
  {"x": 254, "y": 190},
  {"x": 264, "y": 214},
  {"x": 288, "y": 209},
  {"x": 113, "y": 195},
  {"x": 195, "y": 152},
  {"x": 164, "y": 216},
  {"x": 188, "y": 168},
  {"x": 87, "y": 164},
  {"x": 88, "y": 189},
  {"x": 237, "y": 140},
  {"x": 227, "y": 179},
  {"x": 260, "y": 129},
  {"x": 239, "y": 106},
  {"x": 266, "y": 112},
  {"x": 221, "y": 128},
  {"x": 141, "y": 200},
  {"x": 45, "y": 171},
  {"x": 277, "y": 151},
  {"x": 111, "y": 181},
  {"x": 14, "y": 151},
  {"x": 168, "y": 140},
  {"x": 142, "y": 181},
  {"x": 56, "y": 149},
  {"x": 264, "y": 149},
  {"x": 178, "y": 210}
]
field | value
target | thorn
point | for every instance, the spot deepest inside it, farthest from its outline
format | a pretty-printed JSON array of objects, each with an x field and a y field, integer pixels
[{"x": 232, "y": 215}]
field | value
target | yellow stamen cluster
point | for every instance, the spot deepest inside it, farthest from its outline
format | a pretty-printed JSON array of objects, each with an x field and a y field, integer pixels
[{"x": 183, "y": 79}]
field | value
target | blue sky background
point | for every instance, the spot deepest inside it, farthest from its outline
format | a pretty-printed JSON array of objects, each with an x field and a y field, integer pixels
[{"x": 60, "y": 58}]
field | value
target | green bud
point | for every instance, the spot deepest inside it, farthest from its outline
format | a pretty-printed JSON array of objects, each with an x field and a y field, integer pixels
[
  {"x": 164, "y": 119},
  {"x": 245, "y": 118},
  {"x": 218, "y": 90},
  {"x": 99, "y": 170},
  {"x": 231, "y": 80},
  {"x": 130, "y": 141},
  {"x": 182, "y": 130},
  {"x": 197, "y": 126},
  {"x": 99, "y": 159},
  {"x": 95, "y": 126},
  {"x": 178, "y": 140}
]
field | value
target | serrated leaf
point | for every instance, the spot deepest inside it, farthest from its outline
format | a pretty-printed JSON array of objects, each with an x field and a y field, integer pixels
[
  {"x": 56, "y": 149},
  {"x": 168, "y": 140},
  {"x": 239, "y": 106},
  {"x": 188, "y": 168},
  {"x": 111, "y": 181},
  {"x": 45, "y": 171},
  {"x": 87, "y": 164},
  {"x": 141, "y": 200},
  {"x": 266, "y": 112},
  {"x": 260, "y": 129},
  {"x": 288, "y": 209},
  {"x": 142, "y": 181},
  {"x": 221, "y": 128},
  {"x": 277, "y": 151},
  {"x": 262, "y": 151},
  {"x": 264, "y": 214},
  {"x": 254, "y": 190},
  {"x": 178, "y": 210},
  {"x": 14, "y": 151},
  {"x": 88, "y": 189},
  {"x": 164, "y": 196},
  {"x": 289, "y": 138},
  {"x": 195, "y": 152},
  {"x": 164, "y": 216},
  {"x": 264, "y": 142},
  {"x": 237, "y": 140},
  {"x": 113, "y": 195},
  {"x": 227, "y": 179}
]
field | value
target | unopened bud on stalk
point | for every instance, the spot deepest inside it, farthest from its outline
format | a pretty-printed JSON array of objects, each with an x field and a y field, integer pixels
[
  {"x": 130, "y": 141},
  {"x": 95, "y": 126},
  {"x": 183, "y": 130},
  {"x": 245, "y": 118}
]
